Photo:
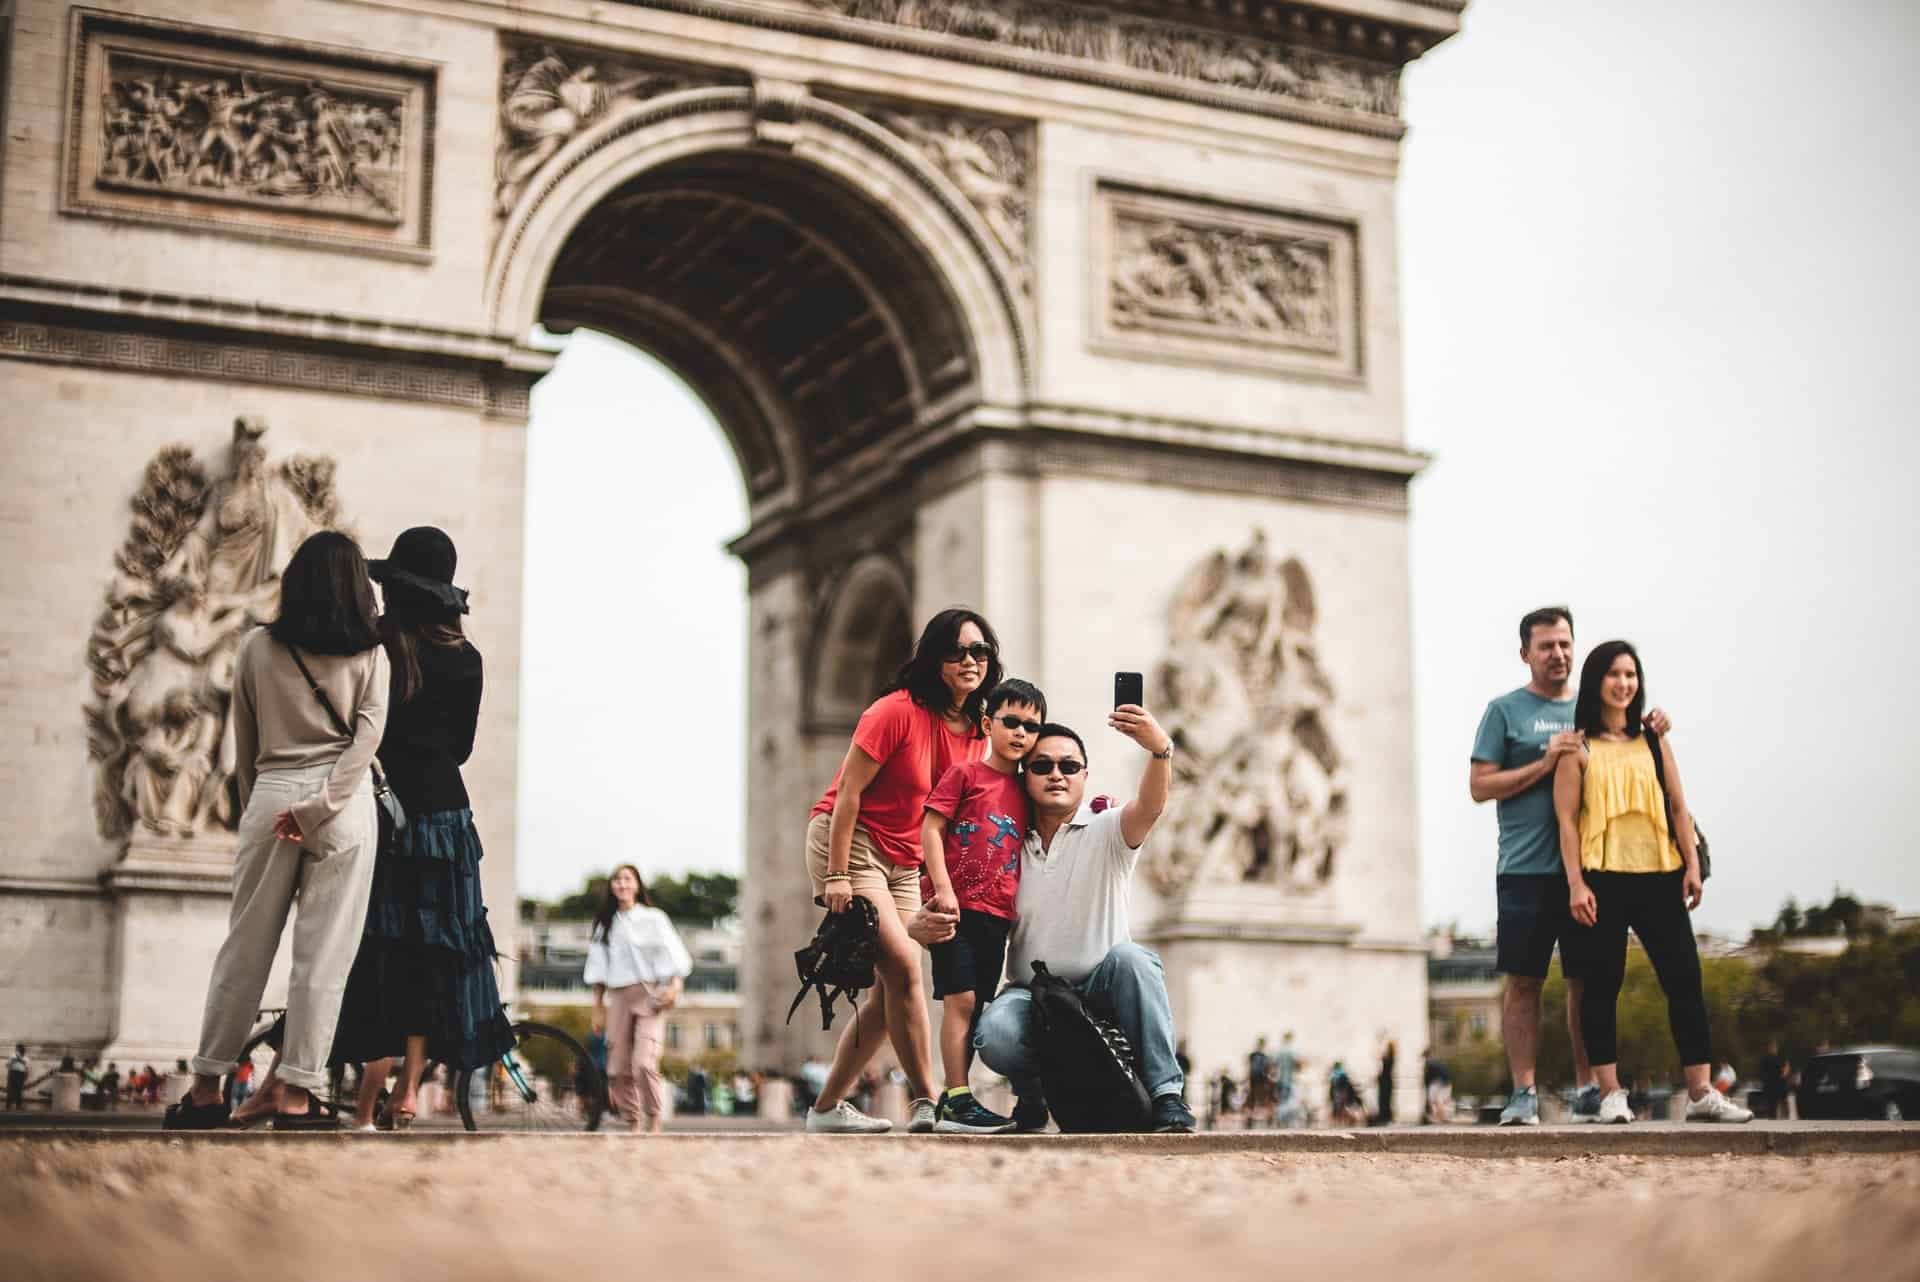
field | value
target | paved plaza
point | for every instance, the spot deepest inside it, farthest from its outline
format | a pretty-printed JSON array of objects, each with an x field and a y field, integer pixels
[{"x": 1750, "y": 1203}]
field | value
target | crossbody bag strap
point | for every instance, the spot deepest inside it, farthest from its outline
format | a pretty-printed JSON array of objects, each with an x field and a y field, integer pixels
[
  {"x": 333, "y": 713},
  {"x": 1660, "y": 778}
]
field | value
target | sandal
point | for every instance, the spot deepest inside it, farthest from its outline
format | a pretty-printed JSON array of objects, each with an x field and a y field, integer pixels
[
  {"x": 399, "y": 1119},
  {"x": 189, "y": 1116},
  {"x": 320, "y": 1116}
]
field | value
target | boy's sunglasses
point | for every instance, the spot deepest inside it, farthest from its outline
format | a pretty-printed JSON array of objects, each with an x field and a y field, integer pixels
[
  {"x": 1047, "y": 765},
  {"x": 979, "y": 652},
  {"x": 1012, "y": 722}
]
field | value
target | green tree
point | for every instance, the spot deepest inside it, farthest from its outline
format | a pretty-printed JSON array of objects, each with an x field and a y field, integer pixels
[{"x": 699, "y": 896}]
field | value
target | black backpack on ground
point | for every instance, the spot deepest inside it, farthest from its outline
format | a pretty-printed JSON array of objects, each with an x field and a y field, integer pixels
[
  {"x": 840, "y": 959},
  {"x": 1087, "y": 1066}
]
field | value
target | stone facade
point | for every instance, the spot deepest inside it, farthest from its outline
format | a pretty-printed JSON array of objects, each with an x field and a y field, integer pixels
[{"x": 1038, "y": 306}]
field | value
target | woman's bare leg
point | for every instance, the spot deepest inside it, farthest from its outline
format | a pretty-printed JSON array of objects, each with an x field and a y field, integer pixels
[
  {"x": 412, "y": 1067},
  {"x": 858, "y": 1042},
  {"x": 906, "y": 1001},
  {"x": 373, "y": 1076}
]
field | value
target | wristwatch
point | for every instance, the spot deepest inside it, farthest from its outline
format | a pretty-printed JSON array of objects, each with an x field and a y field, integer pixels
[{"x": 1164, "y": 756}]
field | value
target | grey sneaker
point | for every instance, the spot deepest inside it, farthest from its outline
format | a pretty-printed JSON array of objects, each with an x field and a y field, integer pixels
[
  {"x": 844, "y": 1119},
  {"x": 921, "y": 1115},
  {"x": 1715, "y": 1107},
  {"x": 1586, "y": 1103},
  {"x": 1523, "y": 1108}
]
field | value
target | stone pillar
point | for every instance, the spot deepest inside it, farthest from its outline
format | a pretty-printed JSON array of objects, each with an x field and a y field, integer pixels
[{"x": 171, "y": 901}]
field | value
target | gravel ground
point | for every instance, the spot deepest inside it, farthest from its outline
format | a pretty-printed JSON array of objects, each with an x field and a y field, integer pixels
[{"x": 850, "y": 1209}]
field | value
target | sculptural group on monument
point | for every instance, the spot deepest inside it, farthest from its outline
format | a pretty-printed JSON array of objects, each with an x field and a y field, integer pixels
[
  {"x": 1262, "y": 794},
  {"x": 200, "y": 567}
]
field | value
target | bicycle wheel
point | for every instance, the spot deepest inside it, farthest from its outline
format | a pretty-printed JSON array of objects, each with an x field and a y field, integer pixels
[{"x": 547, "y": 1082}]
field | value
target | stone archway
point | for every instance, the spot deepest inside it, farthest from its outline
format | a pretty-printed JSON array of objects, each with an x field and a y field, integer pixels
[{"x": 838, "y": 304}]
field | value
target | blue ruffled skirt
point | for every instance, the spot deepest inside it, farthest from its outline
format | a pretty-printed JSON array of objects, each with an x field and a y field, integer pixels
[{"x": 425, "y": 965}]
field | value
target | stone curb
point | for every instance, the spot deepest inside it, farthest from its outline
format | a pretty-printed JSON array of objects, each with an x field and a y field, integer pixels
[{"x": 1546, "y": 1144}]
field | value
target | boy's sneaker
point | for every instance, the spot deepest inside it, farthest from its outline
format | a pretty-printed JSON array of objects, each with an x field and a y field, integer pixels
[
  {"x": 961, "y": 1114},
  {"x": 921, "y": 1116},
  {"x": 1614, "y": 1109},
  {"x": 1586, "y": 1103},
  {"x": 1523, "y": 1108},
  {"x": 1171, "y": 1117},
  {"x": 844, "y": 1119},
  {"x": 1715, "y": 1107},
  {"x": 1030, "y": 1114}
]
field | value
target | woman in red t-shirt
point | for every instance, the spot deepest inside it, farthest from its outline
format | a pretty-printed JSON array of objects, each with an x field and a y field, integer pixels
[{"x": 864, "y": 839}]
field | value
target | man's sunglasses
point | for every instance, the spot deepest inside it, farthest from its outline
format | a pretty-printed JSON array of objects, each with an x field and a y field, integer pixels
[
  {"x": 979, "y": 652},
  {"x": 1012, "y": 722},
  {"x": 1044, "y": 766}
]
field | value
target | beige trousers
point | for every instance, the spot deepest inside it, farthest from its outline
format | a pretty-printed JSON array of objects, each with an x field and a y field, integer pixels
[
  {"x": 636, "y": 1034},
  {"x": 331, "y": 877}
]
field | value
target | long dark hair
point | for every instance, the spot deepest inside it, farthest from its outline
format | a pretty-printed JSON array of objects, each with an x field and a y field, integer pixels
[
  {"x": 405, "y": 635},
  {"x": 920, "y": 676},
  {"x": 1586, "y": 708},
  {"x": 603, "y": 916},
  {"x": 326, "y": 598}
]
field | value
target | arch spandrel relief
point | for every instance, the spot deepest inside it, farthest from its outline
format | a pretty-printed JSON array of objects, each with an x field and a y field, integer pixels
[
  {"x": 1261, "y": 791},
  {"x": 199, "y": 569}
]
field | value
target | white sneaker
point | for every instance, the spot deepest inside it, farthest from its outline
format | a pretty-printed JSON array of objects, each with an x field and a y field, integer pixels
[
  {"x": 1614, "y": 1108},
  {"x": 1715, "y": 1107},
  {"x": 921, "y": 1115},
  {"x": 844, "y": 1119}
]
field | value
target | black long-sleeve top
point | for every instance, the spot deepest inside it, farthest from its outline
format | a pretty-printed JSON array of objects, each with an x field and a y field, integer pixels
[{"x": 430, "y": 736}]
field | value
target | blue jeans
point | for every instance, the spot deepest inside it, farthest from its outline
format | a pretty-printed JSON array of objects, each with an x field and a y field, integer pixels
[{"x": 1129, "y": 984}]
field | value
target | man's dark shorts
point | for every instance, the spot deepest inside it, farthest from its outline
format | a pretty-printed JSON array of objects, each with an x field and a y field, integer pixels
[
  {"x": 1533, "y": 918},
  {"x": 974, "y": 959}
]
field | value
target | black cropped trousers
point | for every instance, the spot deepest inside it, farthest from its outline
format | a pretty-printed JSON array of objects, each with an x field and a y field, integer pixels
[{"x": 1652, "y": 906}]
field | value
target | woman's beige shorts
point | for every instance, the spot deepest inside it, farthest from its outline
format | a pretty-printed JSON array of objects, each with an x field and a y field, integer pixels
[{"x": 874, "y": 875}]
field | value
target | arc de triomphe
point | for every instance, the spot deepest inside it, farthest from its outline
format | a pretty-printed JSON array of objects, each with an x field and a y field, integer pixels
[{"x": 1083, "y": 313}]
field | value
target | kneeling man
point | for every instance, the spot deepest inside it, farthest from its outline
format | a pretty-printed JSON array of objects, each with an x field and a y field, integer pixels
[{"x": 1074, "y": 905}]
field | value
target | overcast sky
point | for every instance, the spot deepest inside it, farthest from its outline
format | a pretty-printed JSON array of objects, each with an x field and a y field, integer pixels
[{"x": 1658, "y": 272}]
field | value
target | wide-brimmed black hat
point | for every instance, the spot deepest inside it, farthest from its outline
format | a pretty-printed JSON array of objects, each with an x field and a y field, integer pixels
[{"x": 418, "y": 573}]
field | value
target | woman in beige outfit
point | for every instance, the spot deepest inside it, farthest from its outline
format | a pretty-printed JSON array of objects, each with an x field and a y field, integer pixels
[
  {"x": 307, "y": 831},
  {"x": 636, "y": 966}
]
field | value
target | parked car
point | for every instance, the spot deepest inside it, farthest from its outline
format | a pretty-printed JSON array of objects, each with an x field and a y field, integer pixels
[{"x": 1862, "y": 1081}]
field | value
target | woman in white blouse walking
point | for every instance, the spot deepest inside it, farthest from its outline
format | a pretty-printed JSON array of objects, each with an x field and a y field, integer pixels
[{"x": 636, "y": 966}]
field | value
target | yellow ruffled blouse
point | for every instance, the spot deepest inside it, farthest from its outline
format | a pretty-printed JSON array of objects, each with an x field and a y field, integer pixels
[{"x": 1623, "y": 819}]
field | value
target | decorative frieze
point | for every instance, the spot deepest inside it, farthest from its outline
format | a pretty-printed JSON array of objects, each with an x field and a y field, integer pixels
[
  {"x": 1260, "y": 795},
  {"x": 990, "y": 161},
  {"x": 549, "y": 94},
  {"x": 1255, "y": 64},
  {"x": 218, "y": 130},
  {"x": 1213, "y": 281}
]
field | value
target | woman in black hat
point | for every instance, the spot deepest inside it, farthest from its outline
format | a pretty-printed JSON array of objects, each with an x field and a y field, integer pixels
[{"x": 423, "y": 983}]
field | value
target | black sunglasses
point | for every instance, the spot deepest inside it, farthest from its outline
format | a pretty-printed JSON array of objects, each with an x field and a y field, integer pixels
[
  {"x": 1012, "y": 722},
  {"x": 1047, "y": 765},
  {"x": 979, "y": 652}
]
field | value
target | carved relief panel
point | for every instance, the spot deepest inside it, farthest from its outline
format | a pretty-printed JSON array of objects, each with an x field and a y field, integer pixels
[
  {"x": 1217, "y": 282},
  {"x": 170, "y": 123},
  {"x": 549, "y": 94},
  {"x": 200, "y": 568}
]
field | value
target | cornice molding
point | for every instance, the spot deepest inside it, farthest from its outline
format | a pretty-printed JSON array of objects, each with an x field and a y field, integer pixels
[
  {"x": 172, "y": 335},
  {"x": 1333, "y": 41}
]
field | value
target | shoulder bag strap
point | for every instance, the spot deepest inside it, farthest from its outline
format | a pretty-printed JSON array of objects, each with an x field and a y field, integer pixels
[
  {"x": 1660, "y": 777},
  {"x": 333, "y": 714}
]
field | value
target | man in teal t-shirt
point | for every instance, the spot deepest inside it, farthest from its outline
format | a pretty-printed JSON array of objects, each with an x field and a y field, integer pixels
[{"x": 1522, "y": 736}]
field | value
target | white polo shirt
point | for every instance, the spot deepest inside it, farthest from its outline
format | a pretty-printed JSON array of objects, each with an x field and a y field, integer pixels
[{"x": 1074, "y": 903}]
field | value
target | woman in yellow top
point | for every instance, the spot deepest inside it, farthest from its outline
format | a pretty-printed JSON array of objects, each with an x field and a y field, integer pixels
[{"x": 1625, "y": 869}]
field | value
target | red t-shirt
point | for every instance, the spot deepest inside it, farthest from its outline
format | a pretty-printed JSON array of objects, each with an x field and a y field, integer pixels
[
  {"x": 987, "y": 817},
  {"x": 914, "y": 747}
]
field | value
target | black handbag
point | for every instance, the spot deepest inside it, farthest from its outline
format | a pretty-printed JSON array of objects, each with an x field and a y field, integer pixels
[
  {"x": 392, "y": 816},
  {"x": 840, "y": 959},
  {"x": 1666, "y": 799}
]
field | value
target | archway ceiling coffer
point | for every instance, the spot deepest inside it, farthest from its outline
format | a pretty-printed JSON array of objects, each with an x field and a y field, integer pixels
[
  {"x": 1337, "y": 68},
  {"x": 807, "y": 291}
]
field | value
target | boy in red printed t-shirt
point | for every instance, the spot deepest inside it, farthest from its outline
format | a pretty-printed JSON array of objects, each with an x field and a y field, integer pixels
[{"x": 973, "y": 834}]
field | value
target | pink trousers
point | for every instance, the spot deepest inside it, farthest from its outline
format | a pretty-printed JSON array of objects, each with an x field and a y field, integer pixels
[{"x": 636, "y": 1033}]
